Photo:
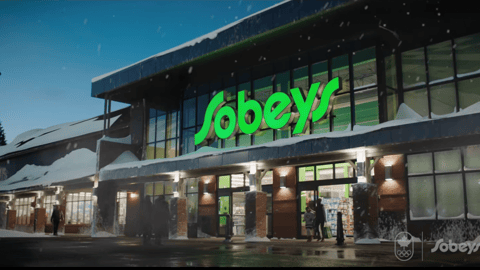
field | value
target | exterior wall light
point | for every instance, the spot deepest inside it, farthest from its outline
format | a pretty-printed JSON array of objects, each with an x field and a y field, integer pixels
[
  {"x": 388, "y": 172},
  {"x": 205, "y": 188},
  {"x": 253, "y": 168},
  {"x": 133, "y": 195},
  {"x": 283, "y": 181}
]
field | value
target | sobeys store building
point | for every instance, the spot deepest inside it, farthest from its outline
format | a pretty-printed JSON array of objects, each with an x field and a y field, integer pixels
[{"x": 370, "y": 105}]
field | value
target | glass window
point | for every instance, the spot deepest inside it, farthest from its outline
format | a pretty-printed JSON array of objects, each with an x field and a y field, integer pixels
[
  {"x": 442, "y": 98},
  {"x": 468, "y": 92},
  {"x": 448, "y": 161},
  {"x": 171, "y": 148},
  {"x": 473, "y": 189},
  {"x": 472, "y": 157},
  {"x": 268, "y": 178},
  {"x": 450, "y": 196},
  {"x": 269, "y": 203},
  {"x": 192, "y": 207},
  {"x": 300, "y": 79},
  {"x": 188, "y": 145},
  {"x": 320, "y": 72},
  {"x": 366, "y": 107},
  {"x": 245, "y": 140},
  {"x": 324, "y": 171},
  {"x": 420, "y": 164},
  {"x": 391, "y": 71},
  {"x": 322, "y": 126},
  {"x": 413, "y": 68},
  {"x": 78, "y": 208},
  {"x": 264, "y": 136},
  {"x": 340, "y": 69},
  {"x": 160, "y": 150},
  {"x": 284, "y": 133},
  {"x": 364, "y": 68},
  {"x": 343, "y": 170},
  {"x": 238, "y": 180},
  {"x": 440, "y": 62},
  {"x": 422, "y": 197},
  {"x": 161, "y": 122},
  {"x": 306, "y": 174},
  {"x": 171, "y": 125},
  {"x": 283, "y": 82},
  {"x": 168, "y": 187},
  {"x": 468, "y": 55},
  {"x": 263, "y": 89},
  {"x": 231, "y": 93},
  {"x": 189, "y": 112},
  {"x": 203, "y": 101},
  {"x": 151, "y": 130},
  {"x": 192, "y": 185},
  {"x": 341, "y": 112},
  {"x": 223, "y": 205},
  {"x": 151, "y": 151},
  {"x": 417, "y": 100},
  {"x": 245, "y": 87},
  {"x": 224, "y": 181},
  {"x": 158, "y": 188},
  {"x": 392, "y": 104}
]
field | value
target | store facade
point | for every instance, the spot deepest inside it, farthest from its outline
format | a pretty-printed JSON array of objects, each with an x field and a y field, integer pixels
[{"x": 391, "y": 146}]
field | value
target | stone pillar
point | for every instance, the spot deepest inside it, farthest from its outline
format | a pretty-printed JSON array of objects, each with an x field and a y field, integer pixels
[
  {"x": 11, "y": 219},
  {"x": 207, "y": 207},
  {"x": 255, "y": 216},
  {"x": 3, "y": 215},
  {"x": 178, "y": 225},
  {"x": 40, "y": 214},
  {"x": 365, "y": 212},
  {"x": 106, "y": 202}
]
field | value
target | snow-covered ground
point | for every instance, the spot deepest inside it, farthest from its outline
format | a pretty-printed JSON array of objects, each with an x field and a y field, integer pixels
[{"x": 10, "y": 233}]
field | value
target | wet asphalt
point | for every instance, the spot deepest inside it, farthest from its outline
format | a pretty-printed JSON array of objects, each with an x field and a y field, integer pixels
[{"x": 67, "y": 251}]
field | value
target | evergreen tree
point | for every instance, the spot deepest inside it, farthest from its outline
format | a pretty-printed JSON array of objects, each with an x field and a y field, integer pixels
[{"x": 3, "y": 141}]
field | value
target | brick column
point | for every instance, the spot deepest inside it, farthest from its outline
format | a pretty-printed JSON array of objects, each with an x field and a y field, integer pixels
[
  {"x": 3, "y": 215},
  {"x": 285, "y": 203},
  {"x": 178, "y": 226},
  {"x": 11, "y": 219},
  {"x": 255, "y": 216},
  {"x": 40, "y": 214},
  {"x": 207, "y": 225}
]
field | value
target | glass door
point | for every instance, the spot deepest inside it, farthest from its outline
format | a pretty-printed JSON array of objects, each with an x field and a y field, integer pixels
[
  {"x": 238, "y": 215},
  {"x": 308, "y": 197}
]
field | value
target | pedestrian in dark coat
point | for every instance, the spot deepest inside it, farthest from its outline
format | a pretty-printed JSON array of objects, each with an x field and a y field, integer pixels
[
  {"x": 309, "y": 218},
  {"x": 57, "y": 216},
  {"x": 160, "y": 220},
  {"x": 320, "y": 220}
]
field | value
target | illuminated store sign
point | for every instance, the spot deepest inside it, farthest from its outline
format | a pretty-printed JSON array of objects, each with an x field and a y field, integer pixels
[{"x": 225, "y": 122}]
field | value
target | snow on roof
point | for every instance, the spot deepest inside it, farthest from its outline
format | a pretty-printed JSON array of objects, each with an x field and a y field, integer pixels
[
  {"x": 37, "y": 137},
  {"x": 125, "y": 157},
  {"x": 211, "y": 35},
  {"x": 405, "y": 115},
  {"x": 77, "y": 164},
  {"x": 124, "y": 140}
]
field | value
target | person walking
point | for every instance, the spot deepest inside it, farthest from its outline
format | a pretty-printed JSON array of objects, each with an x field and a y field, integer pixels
[
  {"x": 309, "y": 218},
  {"x": 57, "y": 216},
  {"x": 320, "y": 220}
]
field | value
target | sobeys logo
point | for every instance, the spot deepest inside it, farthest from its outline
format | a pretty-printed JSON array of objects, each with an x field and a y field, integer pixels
[{"x": 223, "y": 122}]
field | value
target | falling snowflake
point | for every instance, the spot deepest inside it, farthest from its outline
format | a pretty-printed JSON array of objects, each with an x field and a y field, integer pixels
[
  {"x": 190, "y": 70},
  {"x": 366, "y": 7},
  {"x": 166, "y": 77},
  {"x": 341, "y": 24}
]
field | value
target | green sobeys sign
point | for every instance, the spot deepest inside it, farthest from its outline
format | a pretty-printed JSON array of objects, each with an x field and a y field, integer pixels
[{"x": 222, "y": 121}]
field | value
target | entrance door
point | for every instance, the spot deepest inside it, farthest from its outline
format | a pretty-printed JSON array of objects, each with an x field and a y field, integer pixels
[
  {"x": 308, "y": 197},
  {"x": 238, "y": 214}
]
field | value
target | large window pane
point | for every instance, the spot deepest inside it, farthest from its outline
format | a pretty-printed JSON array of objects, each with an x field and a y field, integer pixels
[
  {"x": 151, "y": 130},
  {"x": 366, "y": 107},
  {"x": 160, "y": 150},
  {"x": 440, "y": 62},
  {"x": 264, "y": 136},
  {"x": 224, "y": 205},
  {"x": 238, "y": 180},
  {"x": 188, "y": 145},
  {"x": 472, "y": 157},
  {"x": 171, "y": 148},
  {"x": 158, "y": 188},
  {"x": 320, "y": 72},
  {"x": 168, "y": 185},
  {"x": 343, "y": 170},
  {"x": 392, "y": 104},
  {"x": 472, "y": 181},
  {"x": 192, "y": 185},
  {"x": 202, "y": 108},
  {"x": 468, "y": 55},
  {"x": 151, "y": 151},
  {"x": 245, "y": 87},
  {"x": 245, "y": 140},
  {"x": 231, "y": 93},
  {"x": 417, "y": 100},
  {"x": 450, "y": 196},
  {"x": 229, "y": 143},
  {"x": 364, "y": 68},
  {"x": 268, "y": 178},
  {"x": 322, "y": 126},
  {"x": 420, "y": 164},
  {"x": 391, "y": 71},
  {"x": 300, "y": 79},
  {"x": 325, "y": 172},
  {"x": 192, "y": 207},
  {"x": 189, "y": 112},
  {"x": 469, "y": 92},
  {"x": 442, "y": 98},
  {"x": 284, "y": 133},
  {"x": 224, "y": 181},
  {"x": 283, "y": 82},
  {"x": 413, "y": 68},
  {"x": 422, "y": 198},
  {"x": 81, "y": 208},
  {"x": 340, "y": 69},
  {"x": 448, "y": 161},
  {"x": 306, "y": 174},
  {"x": 341, "y": 111},
  {"x": 263, "y": 90},
  {"x": 161, "y": 122},
  {"x": 171, "y": 125}
]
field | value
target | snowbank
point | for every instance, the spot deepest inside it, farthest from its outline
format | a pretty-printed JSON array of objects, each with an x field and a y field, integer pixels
[
  {"x": 77, "y": 164},
  {"x": 103, "y": 234},
  {"x": 256, "y": 239},
  {"x": 368, "y": 241}
]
